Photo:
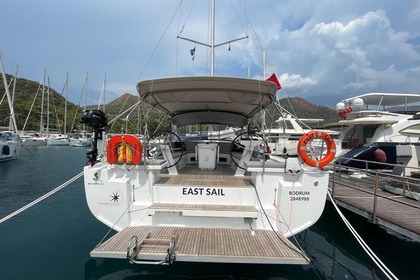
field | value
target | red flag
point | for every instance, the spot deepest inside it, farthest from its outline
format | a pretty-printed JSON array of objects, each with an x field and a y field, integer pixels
[
  {"x": 273, "y": 78},
  {"x": 229, "y": 47},
  {"x": 344, "y": 112}
]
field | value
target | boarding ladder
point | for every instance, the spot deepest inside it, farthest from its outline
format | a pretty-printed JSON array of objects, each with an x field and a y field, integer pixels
[{"x": 152, "y": 243}]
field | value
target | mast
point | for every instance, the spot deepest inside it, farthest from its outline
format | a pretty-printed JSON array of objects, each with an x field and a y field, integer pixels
[
  {"x": 86, "y": 86},
  {"x": 263, "y": 111},
  {"x": 213, "y": 7},
  {"x": 263, "y": 59},
  {"x": 48, "y": 107},
  {"x": 104, "y": 90},
  {"x": 102, "y": 95},
  {"x": 9, "y": 98},
  {"x": 212, "y": 45},
  {"x": 13, "y": 98},
  {"x": 65, "y": 104},
  {"x": 84, "y": 106},
  {"x": 41, "y": 125}
]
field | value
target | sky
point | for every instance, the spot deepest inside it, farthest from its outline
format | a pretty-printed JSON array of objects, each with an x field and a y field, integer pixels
[{"x": 323, "y": 51}]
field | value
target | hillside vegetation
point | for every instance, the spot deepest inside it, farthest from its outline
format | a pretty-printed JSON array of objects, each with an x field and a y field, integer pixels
[{"x": 30, "y": 92}]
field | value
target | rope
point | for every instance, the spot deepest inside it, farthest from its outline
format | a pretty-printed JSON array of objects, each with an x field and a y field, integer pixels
[
  {"x": 273, "y": 229},
  {"x": 289, "y": 229},
  {"x": 362, "y": 243},
  {"x": 41, "y": 198},
  {"x": 112, "y": 228}
]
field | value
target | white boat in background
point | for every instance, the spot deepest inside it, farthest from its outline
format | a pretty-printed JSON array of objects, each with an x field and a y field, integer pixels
[
  {"x": 79, "y": 140},
  {"x": 284, "y": 138},
  {"x": 57, "y": 140},
  {"x": 9, "y": 139},
  {"x": 229, "y": 132},
  {"x": 9, "y": 145},
  {"x": 374, "y": 121},
  {"x": 32, "y": 138}
]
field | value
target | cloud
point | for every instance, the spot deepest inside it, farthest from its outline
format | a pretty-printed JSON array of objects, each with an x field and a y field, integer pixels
[
  {"x": 320, "y": 50},
  {"x": 296, "y": 81},
  {"x": 361, "y": 54}
]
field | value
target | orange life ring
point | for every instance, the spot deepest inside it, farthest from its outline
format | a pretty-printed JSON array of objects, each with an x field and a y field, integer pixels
[
  {"x": 124, "y": 149},
  {"x": 329, "y": 141}
]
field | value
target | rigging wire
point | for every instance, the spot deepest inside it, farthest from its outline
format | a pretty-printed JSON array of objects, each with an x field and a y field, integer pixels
[
  {"x": 262, "y": 47},
  {"x": 113, "y": 226},
  {"x": 160, "y": 39},
  {"x": 36, "y": 201},
  {"x": 188, "y": 16},
  {"x": 362, "y": 243},
  {"x": 32, "y": 106},
  {"x": 5, "y": 92},
  {"x": 80, "y": 102},
  {"x": 300, "y": 250}
]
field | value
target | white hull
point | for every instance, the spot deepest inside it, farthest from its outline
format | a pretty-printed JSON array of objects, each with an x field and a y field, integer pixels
[
  {"x": 57, "y": 142},
  {"x": 285, "y": 138},
  {"x": 110, "y": 193},
  {"x": 9, "y": 149},
  {"x": 80, "y": 142},
  {"x": 34, "y": 141}
]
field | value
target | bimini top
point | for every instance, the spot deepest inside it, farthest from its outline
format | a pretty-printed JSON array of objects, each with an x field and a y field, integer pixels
[{"x": 194, "y": 100}]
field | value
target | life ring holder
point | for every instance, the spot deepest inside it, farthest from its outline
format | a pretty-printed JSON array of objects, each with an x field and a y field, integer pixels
[
  {"x": 125, "y": 148},
  {"x": 307, "y": 138}
]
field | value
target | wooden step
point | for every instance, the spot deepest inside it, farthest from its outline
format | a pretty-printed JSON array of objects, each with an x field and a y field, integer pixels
[{"x": 205, "y": 210}]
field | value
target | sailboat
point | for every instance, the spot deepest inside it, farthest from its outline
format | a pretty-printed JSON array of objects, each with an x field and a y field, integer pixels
[
  {"x": 80, "y": 139},
  {"x": 9, "y": 139},
  {"x": 196, "y": 200},
  {"x": 34, "y": 138}
]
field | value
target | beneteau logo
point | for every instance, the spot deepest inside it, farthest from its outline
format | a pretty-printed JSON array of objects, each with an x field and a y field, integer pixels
[{"x": 96, "y": 180}]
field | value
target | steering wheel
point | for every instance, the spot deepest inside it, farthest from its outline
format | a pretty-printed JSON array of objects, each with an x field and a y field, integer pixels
[
  {"x": 169, "y": 141},
  {"x": 248, "y": 145}
]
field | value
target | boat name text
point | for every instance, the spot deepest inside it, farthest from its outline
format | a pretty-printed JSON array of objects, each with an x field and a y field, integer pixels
[{"x": 202, "y": 191}]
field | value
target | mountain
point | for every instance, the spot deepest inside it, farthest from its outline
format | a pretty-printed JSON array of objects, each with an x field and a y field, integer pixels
[
  {"x": 30, "y": 92},
  {"x": 305, "y": 110}
]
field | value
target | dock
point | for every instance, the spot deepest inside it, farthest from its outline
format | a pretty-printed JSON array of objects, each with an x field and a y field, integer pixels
[{"x": 367, "y": 196}]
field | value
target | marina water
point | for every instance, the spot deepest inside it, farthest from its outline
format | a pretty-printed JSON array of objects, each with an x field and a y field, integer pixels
[{"x": 52, "y": 240}]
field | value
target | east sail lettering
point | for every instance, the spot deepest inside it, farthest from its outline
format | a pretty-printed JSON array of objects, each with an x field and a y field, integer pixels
[{"x": 203, "y": 191}]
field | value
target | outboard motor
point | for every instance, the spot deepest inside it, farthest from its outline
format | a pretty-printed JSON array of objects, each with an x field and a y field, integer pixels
[{"x": 97, "y": 120}]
